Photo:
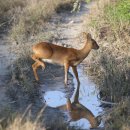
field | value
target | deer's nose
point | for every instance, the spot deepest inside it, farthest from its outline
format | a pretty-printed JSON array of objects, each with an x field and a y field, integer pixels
[{"x": 97, "y": 47}]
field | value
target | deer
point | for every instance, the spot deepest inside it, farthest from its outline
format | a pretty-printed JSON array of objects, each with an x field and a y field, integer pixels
[
  {"x": 77, "y": 111},
  {"x": 67, "y": 57}
]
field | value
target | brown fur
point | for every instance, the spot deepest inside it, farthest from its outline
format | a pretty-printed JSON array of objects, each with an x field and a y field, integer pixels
[{"x": 61, "y": 55}]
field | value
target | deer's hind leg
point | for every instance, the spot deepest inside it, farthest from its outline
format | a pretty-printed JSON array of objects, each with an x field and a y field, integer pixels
[
  {"x": 35, "y": 66},
  {"x": 35, "y": 58},
  {"x": 74, "y": 68}
]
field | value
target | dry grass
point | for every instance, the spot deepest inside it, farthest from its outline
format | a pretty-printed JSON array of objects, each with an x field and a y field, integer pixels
[
  {"x": 119, "y": 117},
  {"x": 45, "y": 119},
  {"x": 7, "y": 7},
  {"x": 22, "y": 87},
  {"x": 27, "y": 125},
  {"x": 22, "y": 122},
  {"x": 31, "y": 19}
]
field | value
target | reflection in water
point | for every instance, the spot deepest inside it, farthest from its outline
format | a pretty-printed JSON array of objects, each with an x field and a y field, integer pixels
[
  {"x": 83, "y": 100},
  {"x": 77, "y": 111}
]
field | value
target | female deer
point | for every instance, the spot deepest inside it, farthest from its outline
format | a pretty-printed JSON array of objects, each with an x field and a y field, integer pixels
[{"x": 66, "y": 57}]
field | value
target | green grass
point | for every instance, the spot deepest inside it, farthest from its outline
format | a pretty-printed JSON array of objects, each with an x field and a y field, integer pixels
[
  {"x": 88, "y": 1},
  {"x": 117, "y": 14},
  {"x": 120, "y": 11},
  {"x": 113, "y": 20}
]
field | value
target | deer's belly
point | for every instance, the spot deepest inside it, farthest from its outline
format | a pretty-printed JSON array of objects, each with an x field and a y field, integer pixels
[
  {"x": 75, "y": 63},
  {"x": 51, "y": 61}
]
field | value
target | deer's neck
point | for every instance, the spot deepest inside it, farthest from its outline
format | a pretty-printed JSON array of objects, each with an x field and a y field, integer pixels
[{"x": 83, "y": 53}]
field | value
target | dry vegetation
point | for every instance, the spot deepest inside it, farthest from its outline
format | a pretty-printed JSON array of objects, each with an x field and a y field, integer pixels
[
  {"x": 24, "y": 121},
  {"x": 43, "y": 120},
  {"x": 16, "y": 124},
  {"x": 118, "y": 118},
  {"x": 109, "y": 22},
  {"x": 28, "y": 17}
]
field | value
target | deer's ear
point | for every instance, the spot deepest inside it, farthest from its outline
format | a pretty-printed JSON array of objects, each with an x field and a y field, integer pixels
[
  {"x": 89, "y": 36},
  {"x": 84, "y": 33}
]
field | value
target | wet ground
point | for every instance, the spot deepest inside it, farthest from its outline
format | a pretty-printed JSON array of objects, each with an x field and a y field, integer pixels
[{"x": 5, "y": 60}]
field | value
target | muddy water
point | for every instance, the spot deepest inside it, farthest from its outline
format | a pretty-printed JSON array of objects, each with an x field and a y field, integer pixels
[{"x": 55, "y": 94}]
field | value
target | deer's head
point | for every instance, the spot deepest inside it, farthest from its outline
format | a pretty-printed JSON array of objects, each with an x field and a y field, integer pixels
[{"x": 91, "y": 41}]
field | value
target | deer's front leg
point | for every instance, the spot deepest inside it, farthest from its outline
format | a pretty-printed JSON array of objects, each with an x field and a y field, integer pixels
[{"x": 66, "y": 68}]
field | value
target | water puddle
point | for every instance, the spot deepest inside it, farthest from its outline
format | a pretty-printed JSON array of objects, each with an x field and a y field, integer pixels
[
  {"x": 82, "y": 100},
  {"x": 55, "y": 98}
]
